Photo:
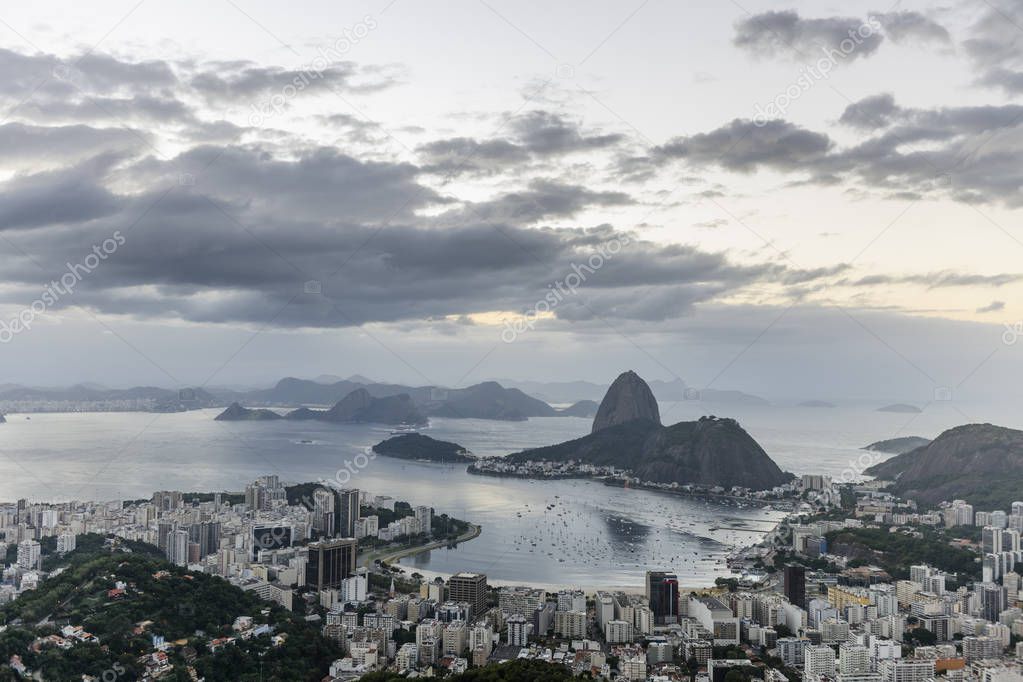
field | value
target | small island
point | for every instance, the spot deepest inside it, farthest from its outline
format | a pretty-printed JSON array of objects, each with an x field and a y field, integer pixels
[
  {"x": 236, "y": 413},
  {"x": 419, "y": 447},
  {"x": 816, "y": 403},
  {"x": 901, "y": 408}
]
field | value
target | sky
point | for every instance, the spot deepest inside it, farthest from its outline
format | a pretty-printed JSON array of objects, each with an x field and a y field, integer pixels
[{"x": 799, "y": 200}]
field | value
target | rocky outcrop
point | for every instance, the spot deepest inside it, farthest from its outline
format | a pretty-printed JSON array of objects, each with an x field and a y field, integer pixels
[
  {"x": 359, "y": 407},
  {"x": 898, "y": 446},
  {"x": 628, "y": 399},
  {"x": 236, "y": 413},
  {"x": 973, "y": 462},
  {"x": 627, "y": 434}
]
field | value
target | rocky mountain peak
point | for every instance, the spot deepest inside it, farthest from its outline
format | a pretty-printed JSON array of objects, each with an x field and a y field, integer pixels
[{"x": 628, "y": 399}]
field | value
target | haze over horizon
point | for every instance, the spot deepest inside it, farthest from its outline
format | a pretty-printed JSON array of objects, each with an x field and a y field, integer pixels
[{"x": 790, "y": 199}]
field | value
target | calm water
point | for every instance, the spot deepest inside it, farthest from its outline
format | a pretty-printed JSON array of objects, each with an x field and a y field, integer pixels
[{"x": 594, "y": 535}]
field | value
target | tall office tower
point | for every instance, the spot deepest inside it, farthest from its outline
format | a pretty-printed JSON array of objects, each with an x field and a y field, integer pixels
[
  {"x": 218, "y": 500},
  {"x": 1016, "y": 508},
  {"x": 991, "y": 539},
  {"x": 323, "y": 511},
  {"x": 206, "y": 536},
  {"x": 662, "y": 596},
  {"x": 330, "y": 562},
  {"x": 177, "y": 547},
  {"x": 349, "y": 503},
  {"x": 167, "y": 500},
  {"x": 992, "y": 600},
  {"x": 1010, "y": 540},
  {"x": 471, "y": 588},
  {"x": 795, "y": 585},
  {"x": 163, "y": 531},
  {"x": 424, "y": 515},
  {"x": 29, "y": 552}
]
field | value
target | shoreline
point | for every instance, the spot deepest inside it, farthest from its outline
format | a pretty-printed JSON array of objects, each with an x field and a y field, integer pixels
[{"x": 392, "y": 556}]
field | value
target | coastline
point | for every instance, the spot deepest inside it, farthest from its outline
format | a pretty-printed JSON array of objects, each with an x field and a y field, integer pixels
[{"x": 389, "y": 557}]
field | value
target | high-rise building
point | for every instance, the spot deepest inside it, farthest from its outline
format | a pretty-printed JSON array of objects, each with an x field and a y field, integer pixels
[
  {"x": 424, "y": 515},
  {"x": 853, "y": 659},
  {"x": 981, "y": 648},
  {"x": 167, "y": 500},
  {"x": 991, "y": 539},
  {"x": 662, "y": 596},
  {"x": 795, "y": 585},
  {"x": 470, "y": 588},
  {"x": 66, "y": 542},
  {"x": 348, "y": 501},
  {"x": 323, "y": 512},
  {"x": 163, "y": 530},
  {"x": 906, "y": 670},
  {"x": 29, "y": 552},
  {"x": 818, "y": 661},
  {"x": 177, "y": 547},
  {"x": 330, "y": 562},
  {"x": 999, "y": 519},
  {"x": 992, "y": 600}
]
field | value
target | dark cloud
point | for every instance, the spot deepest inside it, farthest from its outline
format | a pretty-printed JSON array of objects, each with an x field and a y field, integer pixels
[
  {"x": 870, "y": 112},
  {"x": 56, "y": 197},
  {"x": 913, "y": 27},
  {"x": 968, "y": 154},
  {"x": 545, "y": 199},
  {"x": 994, "y": 46},
  {"x": 786, "y": 33},
  {"x": 937, "y": 280},
  {"x": 545, "y": 133},
  {"x": 536, "y": 135},
  {"x": 992, "y": 307},
  {"x": 742, "y": 145},
  {"x": 48, "y": 146},
  {"x": 458, "y": 155}
]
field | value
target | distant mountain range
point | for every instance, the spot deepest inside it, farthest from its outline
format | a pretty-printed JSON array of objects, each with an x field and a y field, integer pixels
[
  {"x": 627, "y": 434},
  {"x": 979, "y": 463},
  {"x": 148, "y": 397},
  {"x": 665, "y": 392},
  {"x": 358, "y": 407}
]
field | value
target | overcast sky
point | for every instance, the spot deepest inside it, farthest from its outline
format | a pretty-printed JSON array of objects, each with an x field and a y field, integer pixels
[{"x": 801, "y": 200}]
